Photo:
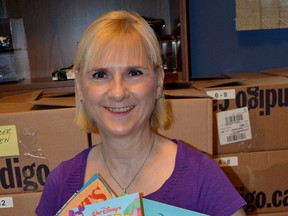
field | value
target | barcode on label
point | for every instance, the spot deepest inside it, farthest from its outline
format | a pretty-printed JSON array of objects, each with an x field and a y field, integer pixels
[
  {"x": 236, "y": 137},
  {"x": 233, "y": 125},
  {"x": 233, "y": 119}
]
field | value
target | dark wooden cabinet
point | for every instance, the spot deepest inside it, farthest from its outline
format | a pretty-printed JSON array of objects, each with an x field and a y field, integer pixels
[{"x": 53, "y": 28}]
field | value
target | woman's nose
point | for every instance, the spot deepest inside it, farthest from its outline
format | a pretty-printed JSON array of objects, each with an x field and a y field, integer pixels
[{"x": 118, "y": 89}]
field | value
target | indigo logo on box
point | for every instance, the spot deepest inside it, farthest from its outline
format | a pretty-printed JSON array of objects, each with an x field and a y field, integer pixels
[
  {"x": 256, "y": 98},
  {"x": 28, "y": 177}
]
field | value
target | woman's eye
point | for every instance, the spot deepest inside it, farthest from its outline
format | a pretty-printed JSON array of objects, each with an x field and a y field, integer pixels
[
  {"x": 135, "y": 73},
  {"x": 99, "y": 75}
]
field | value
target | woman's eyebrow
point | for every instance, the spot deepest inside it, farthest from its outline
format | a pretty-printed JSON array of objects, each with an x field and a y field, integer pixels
[
  {"x": 97, "y": 69},
  {"x": 137, "y": 67},
  {"x": 126, "y": 67}
]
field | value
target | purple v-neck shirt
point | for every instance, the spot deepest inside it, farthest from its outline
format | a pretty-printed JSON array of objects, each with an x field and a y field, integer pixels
[{"x": 197, "y": 183}]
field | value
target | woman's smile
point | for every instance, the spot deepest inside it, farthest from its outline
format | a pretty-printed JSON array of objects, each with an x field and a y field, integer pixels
[{"x": 120, "y": 109}]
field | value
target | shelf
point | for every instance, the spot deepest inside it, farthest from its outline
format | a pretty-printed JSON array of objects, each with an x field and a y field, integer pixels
[{"x": 52, "y": 41}]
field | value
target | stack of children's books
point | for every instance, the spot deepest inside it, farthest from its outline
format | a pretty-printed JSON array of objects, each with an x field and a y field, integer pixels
[{"x": 96, "y": 199}]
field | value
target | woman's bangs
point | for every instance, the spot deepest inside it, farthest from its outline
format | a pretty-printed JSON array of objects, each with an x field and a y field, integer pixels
[
  {"x": 95, "y": 52},
  {"x": 126, "y": 49}
]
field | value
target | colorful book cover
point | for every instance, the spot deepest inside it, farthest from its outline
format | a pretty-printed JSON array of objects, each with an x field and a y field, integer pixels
[
  {"x": 94, "y": 191},
  {"x": 153, "y": 208},
  {"x": 129, "y": 205}
]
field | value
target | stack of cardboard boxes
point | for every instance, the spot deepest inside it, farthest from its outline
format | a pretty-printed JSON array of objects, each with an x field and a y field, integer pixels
[
  {"x": 42, "y": 138},
  {"x": 240, "y": 122},
  {"x": 250, "y": 139},
  {"x": 32, "y": 144}
]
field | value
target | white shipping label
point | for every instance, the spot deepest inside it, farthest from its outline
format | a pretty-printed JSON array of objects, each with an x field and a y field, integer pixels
[
  {"x": 234, "y": 126},
  {"x": 222, "y": 94},
  {"x": 6, "y": 202},
  {"x": 226, "y": 161}
]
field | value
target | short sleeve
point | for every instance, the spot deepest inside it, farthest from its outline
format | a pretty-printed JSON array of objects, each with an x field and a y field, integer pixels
[
  {"x": 62, "y": 183},
  {"x": 47, "y": 205}
]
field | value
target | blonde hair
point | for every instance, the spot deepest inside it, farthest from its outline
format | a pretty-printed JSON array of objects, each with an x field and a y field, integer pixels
[{"x": 113, "y": 25}]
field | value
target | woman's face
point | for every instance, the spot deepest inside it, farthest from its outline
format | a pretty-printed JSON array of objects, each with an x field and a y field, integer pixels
[{"x": 120, "y": 90}]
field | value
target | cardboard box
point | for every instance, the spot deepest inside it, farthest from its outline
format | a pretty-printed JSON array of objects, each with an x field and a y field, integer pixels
[
  {"x": 44, "y": 138},
  {"x": 247, "y": 75},
  {"x": 192, "y": 120},
  {"x": 19, "y": 204},
  {"x": 249, "y": 114},
  {"x": 276, "y": 72},
  {"x": 271, "y": 214},
  {"x": 260, "y": 177},
  {"x": 36, "y": 100},
  {"x": 15, "y": 107}
]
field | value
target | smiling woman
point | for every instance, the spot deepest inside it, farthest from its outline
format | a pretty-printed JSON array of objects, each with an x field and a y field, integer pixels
[
  {"x": 119, "y": 88},
  {"x": 122, "y": 43}
]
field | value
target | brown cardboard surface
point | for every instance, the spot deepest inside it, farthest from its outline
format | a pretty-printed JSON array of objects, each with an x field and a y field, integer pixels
[
  {"x": 267, "y": 101},
  {"x": 15, "y": 107},
  {"x": 54, "y": 133},
  {"x": 272, "y": 80},
  {"x": 68, "y": 101},
  {"x": 247, "y": 75},
  {"x": 184, "y": 93},
  {"x": 202, "y": 84},
  {"x": 19, "y": 102},
  {"x": 260, "y": 177},
  {"x": 21, "y": 98},
  {"x": 271, "y": 214},
  {"x": 192, "y": 123},
  {"x": 276, "y": 72},
  {"x": 35, "y": 100},
  {"x": 23, "y": 204}
]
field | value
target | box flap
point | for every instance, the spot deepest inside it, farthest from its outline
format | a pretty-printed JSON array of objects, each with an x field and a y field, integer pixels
[
  {"x": 270, "y": 80},
  {"x": 202, "y": 84},
  {"x": 185, "y": 93},
  {"x": 246, "y": 75},
  {"x": 55, "y": 101},
  {"x": 15, "y": 107},
  {"x": 21, "y": 98},
  {"x": 276, "y": 72}
]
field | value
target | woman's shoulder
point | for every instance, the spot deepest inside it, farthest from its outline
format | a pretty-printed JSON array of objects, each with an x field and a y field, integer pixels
[
  {"x": 187, "y": 151},
  {"x": 193, "y": 160},
  {"x": 73, "y": 165},
  {"x": 81, "y": 156}
]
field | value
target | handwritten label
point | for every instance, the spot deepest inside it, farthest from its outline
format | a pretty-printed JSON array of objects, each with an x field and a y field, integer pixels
[
  {"x": 227, "y": 161},
  {"x": 222, "y": 94},
  {"x": 8, "y": 141},
  {"x": 6, "y": 202}
]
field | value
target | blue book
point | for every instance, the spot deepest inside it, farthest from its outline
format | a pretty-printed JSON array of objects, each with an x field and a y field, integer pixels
[
  {"x": 153, "y": 208},
  {"x": 129, "y": 205}
]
